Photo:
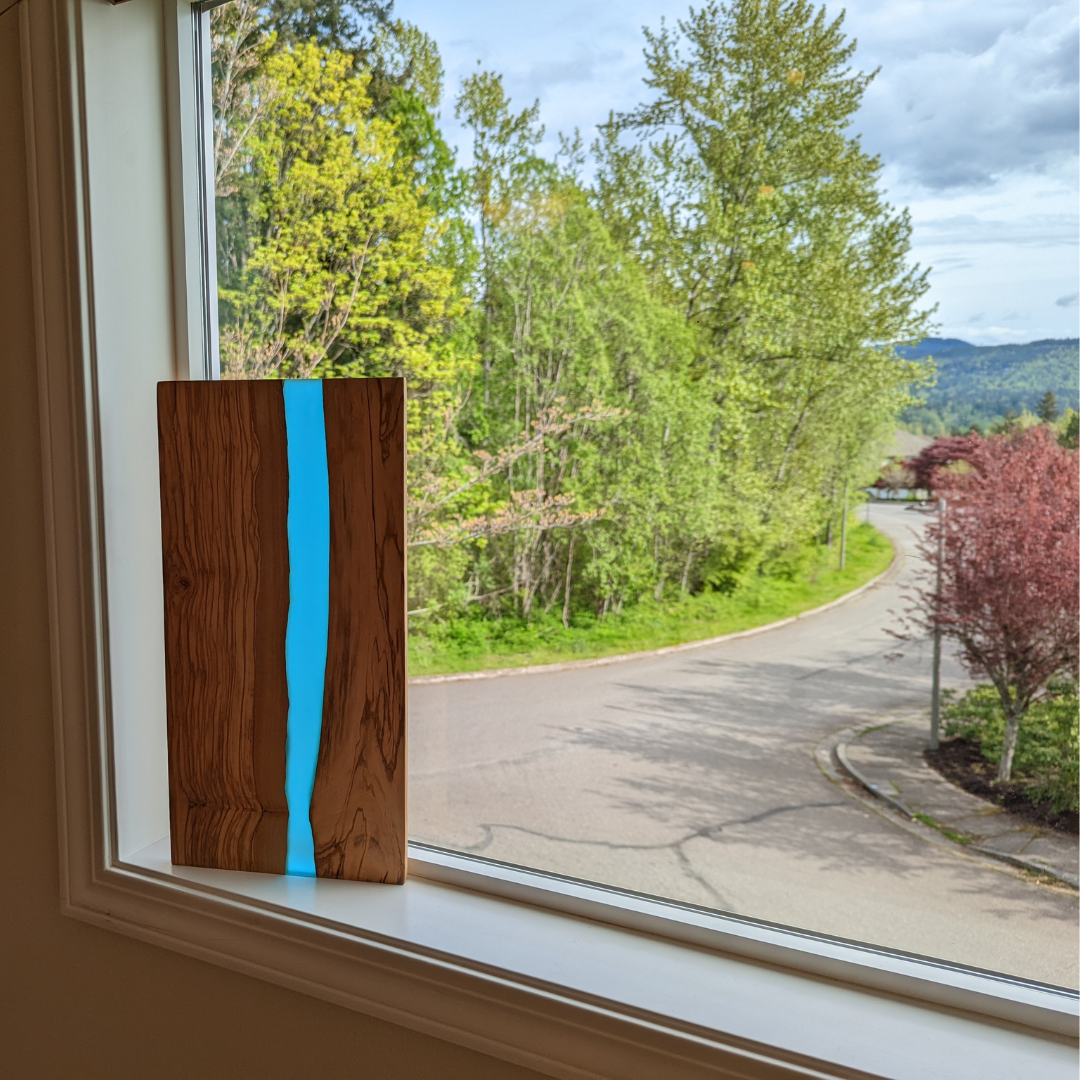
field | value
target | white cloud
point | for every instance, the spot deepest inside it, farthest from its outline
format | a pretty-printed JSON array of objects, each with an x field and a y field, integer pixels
[
  {"x": 973, "y": 105},
  {"x": 1033, "y": 230},
  {"x": 1007, "y": 251}
]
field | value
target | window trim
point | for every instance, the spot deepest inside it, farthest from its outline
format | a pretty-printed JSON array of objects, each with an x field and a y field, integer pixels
[
  {"x": 191, "y": 146},
  {"x": 512, "y": 1013}
]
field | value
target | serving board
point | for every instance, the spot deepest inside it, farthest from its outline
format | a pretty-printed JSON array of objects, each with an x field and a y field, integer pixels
[{"x": 283, "y": 544}]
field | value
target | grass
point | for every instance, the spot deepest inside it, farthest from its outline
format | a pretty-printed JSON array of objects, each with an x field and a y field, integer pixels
[
  {"x": 877, "y": 727},
  {"x": 475, "y": 643},
  {"x": 955, "y": 837}
]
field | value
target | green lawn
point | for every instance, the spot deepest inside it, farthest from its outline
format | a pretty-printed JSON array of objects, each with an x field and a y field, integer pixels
[{"x": 475, "y": 643}]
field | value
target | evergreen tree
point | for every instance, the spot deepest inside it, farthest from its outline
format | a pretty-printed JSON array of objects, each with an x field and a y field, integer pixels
[
  {"x": 1048, "y": 410},
  {"x": 341, "y": 25}
]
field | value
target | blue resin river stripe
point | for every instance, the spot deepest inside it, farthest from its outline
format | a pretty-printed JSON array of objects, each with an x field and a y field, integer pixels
[{"x": 309, "y": 609}]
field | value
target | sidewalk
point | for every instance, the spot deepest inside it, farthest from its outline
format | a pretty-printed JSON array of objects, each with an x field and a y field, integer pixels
[{"x": 887, "y": 760}]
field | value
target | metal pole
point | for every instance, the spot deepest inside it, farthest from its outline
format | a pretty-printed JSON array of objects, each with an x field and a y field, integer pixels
[
  {"x": 843, "y": 527},
  {"x": 935, "y": 686}
]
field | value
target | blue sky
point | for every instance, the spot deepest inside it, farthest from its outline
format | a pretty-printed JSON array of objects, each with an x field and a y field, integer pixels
[{"x": 974, "y": 114}]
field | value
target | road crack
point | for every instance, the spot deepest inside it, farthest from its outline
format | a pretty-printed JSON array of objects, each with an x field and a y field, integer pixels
[{"x": 675, "y": 847}]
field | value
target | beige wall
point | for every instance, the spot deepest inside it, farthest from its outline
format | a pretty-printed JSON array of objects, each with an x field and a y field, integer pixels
[{"x": 77, "y": 1001}]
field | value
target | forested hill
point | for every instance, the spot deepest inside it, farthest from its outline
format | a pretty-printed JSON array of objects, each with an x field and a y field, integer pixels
[{"x": 977, "y": 384}]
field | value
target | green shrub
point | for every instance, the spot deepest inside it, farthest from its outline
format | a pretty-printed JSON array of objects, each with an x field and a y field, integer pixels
[{"x": 1047, "y": 757}]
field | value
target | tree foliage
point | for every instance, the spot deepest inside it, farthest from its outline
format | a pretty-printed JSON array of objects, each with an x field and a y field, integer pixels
[
  {"x": 1011, "y": 566},
  {"x": 340, "y": 25},
  {"x": 1048, "y": 409},
  {"x": 660, "y": 380},
  {"x": 754, "y": 210},
  {"x": 933, "y": 459},
  {"x": 340, "y": 280},
  {"x": 1047, "y": 753}
]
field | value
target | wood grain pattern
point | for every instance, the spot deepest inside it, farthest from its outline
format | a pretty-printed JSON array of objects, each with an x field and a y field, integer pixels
[
  {"x": 224, "y": 503},
  {"x": 358, "y": 805}
]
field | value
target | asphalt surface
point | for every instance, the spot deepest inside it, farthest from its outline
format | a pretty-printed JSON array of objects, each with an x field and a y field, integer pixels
[{"x": 692, "y": 776}]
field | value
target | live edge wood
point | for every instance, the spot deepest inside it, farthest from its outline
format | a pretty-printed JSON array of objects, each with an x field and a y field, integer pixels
[
  {"x": 358, "y": 804},
  {"x": 224, "y": 501}
]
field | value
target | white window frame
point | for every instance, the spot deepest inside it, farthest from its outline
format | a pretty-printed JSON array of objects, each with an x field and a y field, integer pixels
[{"x": 566, "y": 977}]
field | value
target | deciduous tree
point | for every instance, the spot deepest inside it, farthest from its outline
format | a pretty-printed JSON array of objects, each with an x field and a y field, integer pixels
[
  {"x": 340, "y": 278},
  {"x": 942, "y": 452},
  {"x": 1009, "y": 596},
  {"x": 664, "y": 381},
  {"x": 756, "y": 211}
]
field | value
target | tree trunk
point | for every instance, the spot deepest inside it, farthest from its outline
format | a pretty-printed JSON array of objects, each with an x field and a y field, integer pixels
[
  {"x": 566, "y": 590},
  {"x": 686, "y": 572},
  {"x": 1008, "y": 748}
]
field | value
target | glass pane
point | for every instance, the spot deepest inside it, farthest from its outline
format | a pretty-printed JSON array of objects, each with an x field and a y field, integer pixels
[{"x": 689, "y": 440}]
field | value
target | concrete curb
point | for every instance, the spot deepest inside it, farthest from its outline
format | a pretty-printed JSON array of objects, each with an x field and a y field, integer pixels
[
  {"x": 686, "y": 646},
  {"x": 896, "y": 804},
  {"x": 903, "y": 816},
  {"x": 1032, "y": 866}
]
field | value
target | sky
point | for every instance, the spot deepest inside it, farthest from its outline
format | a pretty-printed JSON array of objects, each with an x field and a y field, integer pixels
[{"x": 974, "y": 114}]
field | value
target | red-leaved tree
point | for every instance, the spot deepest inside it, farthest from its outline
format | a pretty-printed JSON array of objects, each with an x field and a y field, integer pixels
[
  {"x": 943, "y": 451},
  {"x": 1011, "y": 567}
]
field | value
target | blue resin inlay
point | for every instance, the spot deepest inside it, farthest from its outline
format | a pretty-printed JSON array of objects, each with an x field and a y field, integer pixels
[{"x": 309, "y": 609}]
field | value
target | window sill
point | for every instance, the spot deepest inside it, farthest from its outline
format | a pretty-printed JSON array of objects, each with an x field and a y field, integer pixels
[{"x": 572, "y": 993}]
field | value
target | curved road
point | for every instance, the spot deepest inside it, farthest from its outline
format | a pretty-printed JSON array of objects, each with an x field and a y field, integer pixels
[{"x": 692, "y": 776}]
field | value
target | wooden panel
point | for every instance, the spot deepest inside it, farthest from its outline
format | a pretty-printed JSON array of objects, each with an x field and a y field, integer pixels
[
  {"x": 224, "y": 502},
  {"x": 358, "y": 805}
]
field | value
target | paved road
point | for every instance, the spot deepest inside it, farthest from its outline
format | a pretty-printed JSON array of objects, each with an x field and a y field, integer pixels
[{"x": 691, "y": 776}]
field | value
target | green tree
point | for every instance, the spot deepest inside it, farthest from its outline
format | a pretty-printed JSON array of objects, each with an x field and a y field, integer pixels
[
  {"x": 504, "y": 163},
  {"x": 742, "y": 191},
  {"x": 341, "y": 25},
  {"x": 344, "y": 275},
  {"x": 341, "y": 279},
  {"x": 1048, "y": 409},
  {"x": 663, "y": 382},
  {"x": 569, "y": 329},
  {"x": 401, "y": 69},
  {"x": 1070, "y": 430}
]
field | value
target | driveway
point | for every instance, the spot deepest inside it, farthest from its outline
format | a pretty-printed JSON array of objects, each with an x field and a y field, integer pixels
[{"x": 691, "y": 776}]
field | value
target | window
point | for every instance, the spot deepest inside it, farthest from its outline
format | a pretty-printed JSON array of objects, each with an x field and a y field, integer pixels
[
  {"x": 561, "y": 975},
  {"x": 622, "y": 440}
]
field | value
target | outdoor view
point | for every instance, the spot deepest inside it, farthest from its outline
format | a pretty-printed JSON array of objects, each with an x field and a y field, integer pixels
[{"x": 711, "y": 318}]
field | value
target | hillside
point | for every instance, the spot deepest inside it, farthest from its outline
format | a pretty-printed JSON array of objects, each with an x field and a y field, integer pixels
[{"x": 978, "y": 384}]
